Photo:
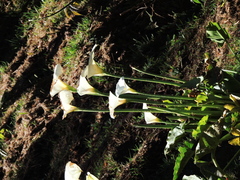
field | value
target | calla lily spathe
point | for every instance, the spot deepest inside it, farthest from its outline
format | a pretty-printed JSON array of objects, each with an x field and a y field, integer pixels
[
  {"x": 92, "y": 69},
  {"x": 85, "y": 88},
  {"x": 66, "y": 98},
  {"x": 123, "y": 88},
  {"x": 72, "y": 171},
  {"x": 90, "y": 176},
  {"x": 114, "y": 102},
  {"x": 58, "y": 85},
  {"x": 149, "y": 117}
]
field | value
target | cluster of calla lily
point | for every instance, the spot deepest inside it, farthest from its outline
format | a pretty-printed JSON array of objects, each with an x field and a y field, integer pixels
[
  {"x": 123, "y": 93},
  {"x": 73, "y": 172},
  {"x": 191, "y": 112}
]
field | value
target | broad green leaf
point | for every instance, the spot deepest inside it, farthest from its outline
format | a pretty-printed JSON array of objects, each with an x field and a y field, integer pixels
[
  {"x": 231, "y": 85},
  {"x": 216, "y": 33},
  {"x": 193, "y": 83},
  {"x": 208, "y": 141},
  {"x": 173, "y": 138},
  {"x": 210, "y": 171},
  {"x": 185, "y": 153},
  {"x": 202, "y": 126}
]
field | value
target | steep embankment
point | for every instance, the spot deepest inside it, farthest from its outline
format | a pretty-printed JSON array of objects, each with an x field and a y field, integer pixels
[{"x": 151, "y": 35}]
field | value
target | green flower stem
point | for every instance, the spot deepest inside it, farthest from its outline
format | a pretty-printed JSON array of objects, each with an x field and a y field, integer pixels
[
  {"x": 225, "y": 138},
  {"x": 184, "y": 118},
  {"x": 159, "y": 76},
  {"x": 164, "y": 126},
  {"x": 117, "y": 110},
  {"x": 161, "y": 126},
  {"x": 98, "y": 93},
  {"x": 188, "y": 113},
  {"x": 146, "y": 80},
  {"x": 219, "y": 99},
  {"x": 155, "y": 96},
  {"x": 177, "y": 118},
  {"x": 173, "y": 104},
  {"x": 225, "y": 97},
  {"x": 72, "y": 88},
  {"x": 168, "y": 111}
]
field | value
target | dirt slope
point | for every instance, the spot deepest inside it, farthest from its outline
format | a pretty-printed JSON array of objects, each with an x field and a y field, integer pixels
[{"x": 38, "y": 143}]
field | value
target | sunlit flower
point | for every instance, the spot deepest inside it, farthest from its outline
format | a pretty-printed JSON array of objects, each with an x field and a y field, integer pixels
[
  {"x": 85, "y": 88},
  {"x": 236, "y": 133},
  {"x": 89, "y": 176},
  {"x": 72, "y": 171},
  {"x": 123, "y": 88},
  {"x": 114, "y": 102},
  {"x": 149, "y": 117},
  {"x": 58, "y": 85},
  {"x": 66, "y": 98},
  {"x": 92, "y": 69},
  {"x": 235, "y": 99}
]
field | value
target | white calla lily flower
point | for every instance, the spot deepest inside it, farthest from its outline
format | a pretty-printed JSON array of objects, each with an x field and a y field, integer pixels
[
  {"x": 84, "y": 87},
  {"x": 58, "y": 85},
  {"x": 92, "y": 69},
  {"x": 235, "y": 99},
  {"x": 149, "y": 117},
  {"x": 66, "y": 98},
  {"x": 114, "y": 102},
  {"x": 123, "y": 88},
  {"x": 90, "y": 176},
  {"x": 72, "y": 171}
]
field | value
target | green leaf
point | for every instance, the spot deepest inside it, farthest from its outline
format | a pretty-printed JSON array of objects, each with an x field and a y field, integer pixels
[
  {"x": 202, "y": 126},
  {"x": 216, "y": 33},
  {"x": 231, "y": 85},
  {"x": 210, "y": 171},
  {"x": 2, "y": 137},
  {"x": 208, "y": 141},
  {"x": 193, "y": 83},
  {"x": 174, "y": 136},
  {"x": 197, "y": 1},
  {"x": 185, "y": 153},
  {"x": 201, "y": 98}
]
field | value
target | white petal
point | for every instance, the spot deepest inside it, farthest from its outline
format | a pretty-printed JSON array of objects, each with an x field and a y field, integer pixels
[
  {"x": 91, "y": 177},
  {"x": 123, "y": 88},
  {"x": 66, "y": 98},
  {"x": 149, "y": 117},
  {"x": 114, "y": 102},
  {"x": 85, "y": 72},
  {"x": 58, "y": 70},
  {"x": 72, "y": 171},
  {"x": 57, "y": 86},
  {"x": 84, "y": 87},
  {"x": 93, "y": 69}
]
